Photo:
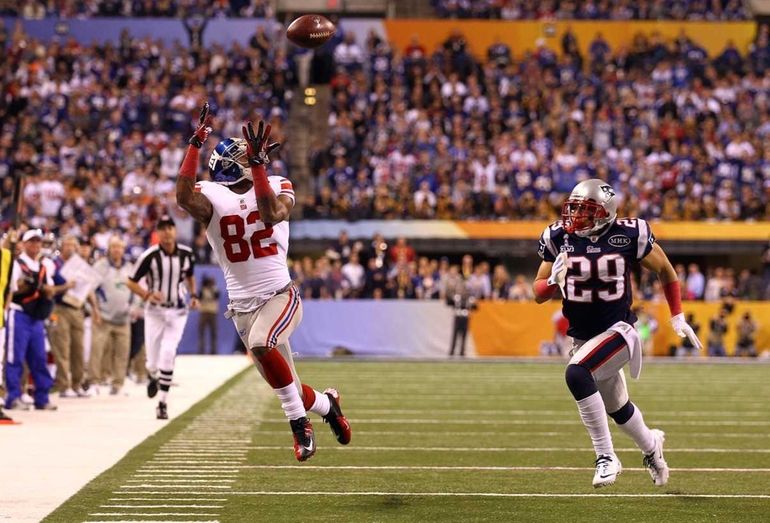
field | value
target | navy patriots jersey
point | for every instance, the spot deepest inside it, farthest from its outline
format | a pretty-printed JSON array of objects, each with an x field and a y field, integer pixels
[{"x": 598, "y": 282}]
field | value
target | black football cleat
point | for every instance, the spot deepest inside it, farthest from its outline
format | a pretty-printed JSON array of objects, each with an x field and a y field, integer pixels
[
  {"x": 161, "y": 411},
  {"x": 336, "y": 419},
  {"x": 304, "y": 439},
  {"x": 152, "y": 387},
  {"x": 5, "y": 419}
]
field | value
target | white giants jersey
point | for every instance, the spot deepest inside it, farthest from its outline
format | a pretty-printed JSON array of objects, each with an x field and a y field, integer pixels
[{"x": 252, "y": 253}]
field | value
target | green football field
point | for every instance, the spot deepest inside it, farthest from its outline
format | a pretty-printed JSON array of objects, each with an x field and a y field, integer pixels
[{"x": 454, "y": 441}]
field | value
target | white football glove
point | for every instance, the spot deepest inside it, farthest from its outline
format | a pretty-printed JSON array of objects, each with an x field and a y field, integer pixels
[
  {"x": 683, "y": 330},
  {"x": 559, "y": 272}
]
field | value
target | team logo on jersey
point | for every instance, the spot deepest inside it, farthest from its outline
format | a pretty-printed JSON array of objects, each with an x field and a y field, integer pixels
[
  {"x": 593, "y": 250},
  {"x": 619, "y": 240}
]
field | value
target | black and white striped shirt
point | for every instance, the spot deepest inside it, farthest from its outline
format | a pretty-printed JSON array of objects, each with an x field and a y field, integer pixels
[{"x": 166, "y": 272}]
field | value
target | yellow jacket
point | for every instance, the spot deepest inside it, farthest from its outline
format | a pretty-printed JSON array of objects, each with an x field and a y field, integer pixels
[{"x": 5, "y": 269}]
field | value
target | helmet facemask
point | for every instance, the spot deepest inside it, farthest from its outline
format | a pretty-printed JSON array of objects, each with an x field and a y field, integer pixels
[{"x": 583, "y": 217}]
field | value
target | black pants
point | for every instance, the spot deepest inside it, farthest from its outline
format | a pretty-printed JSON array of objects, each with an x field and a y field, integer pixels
[
  {"x": 460, "y": 331},
  {"x": 207, "y": 320},
  {"x": 137, "y": 337}
]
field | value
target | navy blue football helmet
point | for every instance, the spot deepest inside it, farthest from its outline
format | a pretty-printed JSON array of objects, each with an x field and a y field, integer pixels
[{"x": 227, "y": 164}]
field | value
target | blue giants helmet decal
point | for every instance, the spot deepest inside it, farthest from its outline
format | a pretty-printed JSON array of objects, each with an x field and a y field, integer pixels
[{"x": 227, "y": 164}]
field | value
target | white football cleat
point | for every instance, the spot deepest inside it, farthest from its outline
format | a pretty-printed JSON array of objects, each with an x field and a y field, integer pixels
[
  {"x": 654, "y": 462},
  {"x": 608, "y": 468}
]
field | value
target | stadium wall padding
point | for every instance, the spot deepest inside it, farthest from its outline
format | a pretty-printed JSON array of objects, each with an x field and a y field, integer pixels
[
  {"x": 395, "y": 328},
  {"x": 515, "y": 230},
  {"x": 519, "y": 329},
  {"x": 523, "y": 35}
]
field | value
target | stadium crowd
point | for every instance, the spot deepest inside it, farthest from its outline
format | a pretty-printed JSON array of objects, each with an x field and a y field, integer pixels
[
  {"x": 36, "y": 9},
  {"x": 419, "y": 133},
  {"x": 705, "y": 10},
  {"x": 380, "y": 270},
  {"x": 99, "y": 131}
]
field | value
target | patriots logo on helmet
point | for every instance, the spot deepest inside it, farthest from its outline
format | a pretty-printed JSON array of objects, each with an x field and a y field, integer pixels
[{"x": 227, "y": 164}]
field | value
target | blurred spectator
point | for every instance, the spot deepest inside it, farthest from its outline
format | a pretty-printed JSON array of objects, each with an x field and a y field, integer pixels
[
  {"x": 590, "y": 10},
  {"x": 31, "y": 288},
  {"x": 478, "y": 284},
  {"x": 766, "y": 272},
  {"x": 715, "y": 285},
  {"x": 686, "y": 348},
  {"x": 66, "y": 332},
  {"x": 36, "y": 9},
  {"x": 696, "y": 282},
  {"x": 208, "y": 315},
  {"x": 355, "y": 276},
  {"x": 521, "y": 290},
  {"x": 717, "y": 330},
  {"x": 501, "y": 283},
  {"x": 462, "y": 304},
  {"x": 401, "y": 251},
  {"x": 111, "y": 344},
  {"x": 747, "y": 329}
]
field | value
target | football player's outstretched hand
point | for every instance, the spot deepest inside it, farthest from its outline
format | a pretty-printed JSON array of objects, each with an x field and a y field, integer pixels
[
  {"x": 559, "y": 272},
  {"x": 258, "y": 148},
  {"x": 683, "y": 330},
  {"x": 204, "y": 128}
]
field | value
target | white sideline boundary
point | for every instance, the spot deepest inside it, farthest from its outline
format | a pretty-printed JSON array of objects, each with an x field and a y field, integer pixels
[
  {"x": 64, "y": 450},
  {"x": 493, "y": 494},
  {"x": 511, "y": 449}
]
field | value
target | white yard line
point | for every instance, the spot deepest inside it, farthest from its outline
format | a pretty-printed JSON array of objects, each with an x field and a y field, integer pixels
[
  {"x": 87, "y": 429},
  {"x": 151, "y": 485},
  {"x": 529, "y": 422},
  {"x": 164, "y": 499},
  {"x": 153, "y": 521},
  {"x": 488, "y": 469},
  {"x": 559, "y": 413},
  {"x": 183, "y": 480},
  {"x": 161, "y": 506},
  {"x": 141, "y": 514},
  {"x": 519, "y": 433},
  {"x": 520, "y": 449}
]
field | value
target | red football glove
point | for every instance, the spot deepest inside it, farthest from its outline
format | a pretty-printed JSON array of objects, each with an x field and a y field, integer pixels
[{"x": 204, "y": 128}]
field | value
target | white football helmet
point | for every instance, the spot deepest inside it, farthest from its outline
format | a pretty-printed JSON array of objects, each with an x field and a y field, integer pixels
[{"x": 591, "y": 206}]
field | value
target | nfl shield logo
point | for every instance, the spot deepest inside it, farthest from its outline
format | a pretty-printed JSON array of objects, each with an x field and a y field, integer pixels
[{"x": 243, "y": 204}]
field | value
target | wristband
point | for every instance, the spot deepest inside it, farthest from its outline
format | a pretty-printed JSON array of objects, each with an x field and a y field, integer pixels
[
  {"x": 673, "y": 293},
  {"x": 189, "y": 166},
  {"x": 543, "y": 289},
  {"x": 261, "y": 185}
]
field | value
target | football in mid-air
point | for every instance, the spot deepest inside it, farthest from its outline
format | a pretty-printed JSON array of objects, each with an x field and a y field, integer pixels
[{"x": 310, "y": 31}]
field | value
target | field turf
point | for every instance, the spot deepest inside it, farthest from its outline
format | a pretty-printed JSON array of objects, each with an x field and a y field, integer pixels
[{"x": 454, "y": 441}]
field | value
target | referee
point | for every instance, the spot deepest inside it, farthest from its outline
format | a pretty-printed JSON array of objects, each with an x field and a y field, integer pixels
[{"x": 165, "y": 267}]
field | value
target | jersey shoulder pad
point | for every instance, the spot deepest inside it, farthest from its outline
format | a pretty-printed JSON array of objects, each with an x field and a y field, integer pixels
[
  {"x": 634, "y": 232},
  {"x": 281, "y": 185},
  {"x": 549, "y": 239}
]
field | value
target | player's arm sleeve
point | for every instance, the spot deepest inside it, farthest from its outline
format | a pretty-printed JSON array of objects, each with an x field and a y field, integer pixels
[
  {"x": 645, "y": 240},
  {"x": 282, "y": 186},
  {"x": 547, "y": 248},
  {"x": 141, "y": 268}
]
